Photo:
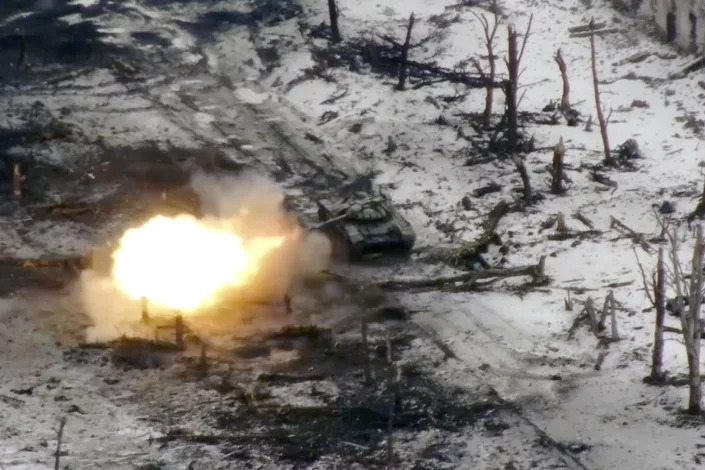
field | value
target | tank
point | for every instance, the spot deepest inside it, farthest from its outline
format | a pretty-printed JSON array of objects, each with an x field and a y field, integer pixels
[{"x": 362, "y": 224}]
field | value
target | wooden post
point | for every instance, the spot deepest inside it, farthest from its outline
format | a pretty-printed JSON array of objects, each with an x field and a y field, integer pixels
[
  {"x": 557, "y": 170},
  {"x": 405, "y": 54}
]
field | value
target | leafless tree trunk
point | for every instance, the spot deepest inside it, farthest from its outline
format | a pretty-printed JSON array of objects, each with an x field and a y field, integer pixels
[
  {"x": 595, "y": 82},
  {"x": 333, "y": 12},
  {"x": 405, "y": 54},
  {"x": 565, "y": 98},
  {"x": 690, "y": 317},
  {"x": 521, "y": 168},
  {"x": 490, "y": 34},
  {"x": 660, "y": 303},
  {"x": 557, "y": 170},
  {"x": 511, "y": 87}
]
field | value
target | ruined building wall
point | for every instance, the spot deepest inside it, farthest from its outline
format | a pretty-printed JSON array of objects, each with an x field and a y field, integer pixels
[{"x": 681, "y": 22}]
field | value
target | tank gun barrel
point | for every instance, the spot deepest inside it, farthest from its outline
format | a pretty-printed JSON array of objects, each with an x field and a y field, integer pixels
[{"x": 328, "y": 222}]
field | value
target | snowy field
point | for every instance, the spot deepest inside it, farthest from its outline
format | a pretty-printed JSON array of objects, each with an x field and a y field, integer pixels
[{"x": 524, "y": 339}]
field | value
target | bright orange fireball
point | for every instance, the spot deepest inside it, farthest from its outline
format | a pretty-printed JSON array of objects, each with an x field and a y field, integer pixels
[{"x": 182, "y": 263}]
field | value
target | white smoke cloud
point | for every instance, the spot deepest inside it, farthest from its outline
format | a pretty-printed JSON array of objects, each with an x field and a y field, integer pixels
[{"x": 249, "y": 205}]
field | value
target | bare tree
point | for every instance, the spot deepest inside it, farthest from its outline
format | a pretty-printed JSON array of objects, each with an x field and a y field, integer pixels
[
  {"x": 595, "y": 82},
  {"x": 692, "y": 290},
  {"x": 565, "y": 97},
  {"x": 405, "y": 54},
  {"x": 511, "y": 87},
  {"x": 333, "y": 13},
  {"x": 557, "y": 170},
  {"x": 490, "y": 34}
]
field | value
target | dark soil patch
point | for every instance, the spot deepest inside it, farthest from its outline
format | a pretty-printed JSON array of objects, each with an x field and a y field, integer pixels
[{"x": 352, "y": 424}]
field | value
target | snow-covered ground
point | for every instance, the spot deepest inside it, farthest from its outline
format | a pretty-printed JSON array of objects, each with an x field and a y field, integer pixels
[{"x": 524, "y": 339}]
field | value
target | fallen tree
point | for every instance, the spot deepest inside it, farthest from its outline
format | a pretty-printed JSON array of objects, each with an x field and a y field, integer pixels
[
  {"x": 469, "y": 253},
  {"x": 468, "y": 281}
]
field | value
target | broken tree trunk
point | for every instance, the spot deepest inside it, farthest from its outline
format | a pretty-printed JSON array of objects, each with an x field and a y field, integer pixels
[
  {"x": 456, "y": 256},
  {"x": 405, "y": 54},
  {"x": 526, "y": 182},
  {"x": 536, "y": 272},
  {"x": 596, "y": 85},
  {"x": 514, "y": 56},
  {"x": 557, "y": 170},
  {"x": 511, "y": 88},
  {"x": 333, "y": 13},
  {"x": 565, "y": 97},
  {"x": 613, "y": 317},
  {"x": 660, "y": 303}
]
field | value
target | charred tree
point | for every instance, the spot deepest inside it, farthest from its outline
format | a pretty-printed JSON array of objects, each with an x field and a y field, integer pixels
[
  {"x": 490, "y": 34},
  {"x": 401, "y": 85},
  {"x": 565, "y": 97},
  {"x": 333, "y": 13},
  {"x": 557, "y": 170},
  {"x": 595, "y": 82},
  {"x": 511, "y": 86},
  {"x": 660, "y": 303}
]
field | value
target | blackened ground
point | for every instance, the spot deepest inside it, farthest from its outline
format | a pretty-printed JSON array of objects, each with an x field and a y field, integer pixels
[{"x": 346, "y": 422}]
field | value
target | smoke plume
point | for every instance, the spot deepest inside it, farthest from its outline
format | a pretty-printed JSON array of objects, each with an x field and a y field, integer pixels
[{"x": 248, "y": 206}]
